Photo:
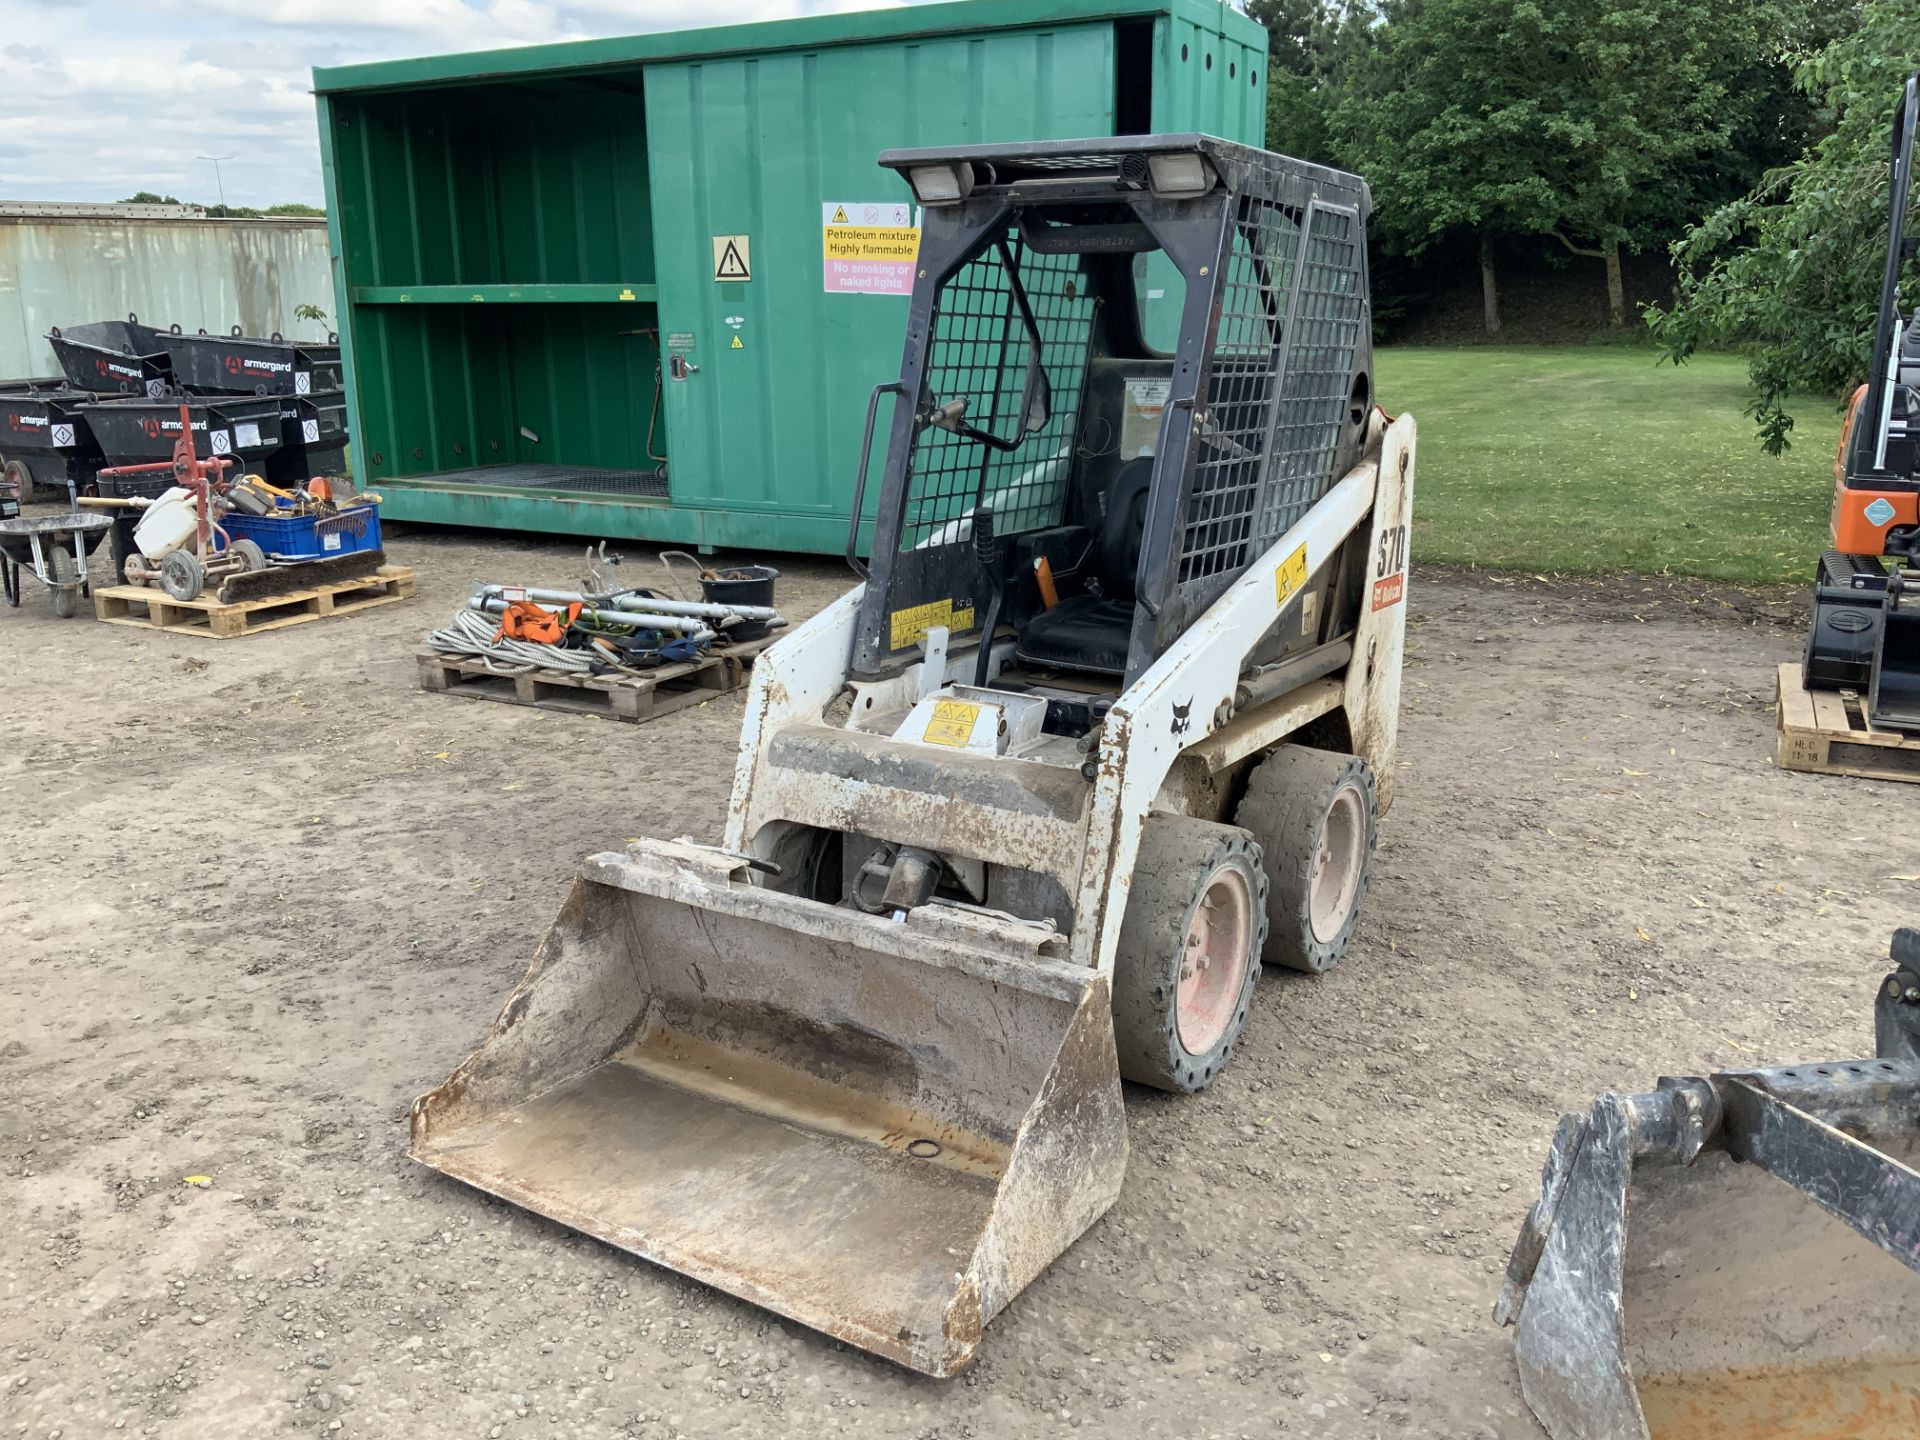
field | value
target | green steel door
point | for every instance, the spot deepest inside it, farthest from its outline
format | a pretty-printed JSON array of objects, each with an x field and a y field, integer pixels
[{"x": 777, "y": 367}]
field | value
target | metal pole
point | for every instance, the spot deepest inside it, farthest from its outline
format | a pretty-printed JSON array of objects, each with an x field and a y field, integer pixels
[
  {"x": 707, "y": 609},
  {"x": 219, "y": 184}
]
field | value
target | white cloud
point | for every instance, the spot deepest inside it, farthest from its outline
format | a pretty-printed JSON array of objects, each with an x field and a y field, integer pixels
[{"x": 100, "y": 98}]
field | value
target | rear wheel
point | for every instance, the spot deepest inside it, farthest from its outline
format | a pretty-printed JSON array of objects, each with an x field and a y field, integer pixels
[
  {"x": 1313, "y": 813},
  {"x": 1189, "y": 952},
  {"x": 16, "y": 474},
  {"x": 250, "y": 555}
]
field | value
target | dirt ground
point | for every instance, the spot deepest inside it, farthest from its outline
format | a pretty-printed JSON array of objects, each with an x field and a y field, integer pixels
[{"x": 258, "y": 894}]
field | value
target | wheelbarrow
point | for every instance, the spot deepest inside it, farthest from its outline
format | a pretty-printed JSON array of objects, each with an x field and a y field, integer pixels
[{"x": 54, "y": 548}]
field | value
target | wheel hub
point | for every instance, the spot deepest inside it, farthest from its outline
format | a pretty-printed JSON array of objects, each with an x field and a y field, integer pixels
[
  {"x": 1337, "y": 863},
  {"x": 1213, "y": 968}
]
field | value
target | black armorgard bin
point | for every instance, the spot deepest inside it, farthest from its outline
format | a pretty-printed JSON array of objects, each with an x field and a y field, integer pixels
[
  {"x": 240, "y": 364},
  {"x": 313, "y": 438},
  {"x": 113, "y": 357},
  {"x": 45, "y": 441},
  {"x": 245, "y": 427}
]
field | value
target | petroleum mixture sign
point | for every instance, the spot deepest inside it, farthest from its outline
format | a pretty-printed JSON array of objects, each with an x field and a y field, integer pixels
[{"x": 867, "y": 248}]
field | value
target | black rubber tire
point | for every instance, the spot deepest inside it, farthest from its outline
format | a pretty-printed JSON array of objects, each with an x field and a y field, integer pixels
[
  {"x": 1288, "y": 799},
  {"x": 66, "y": 602},
  {"x": 250, "y": 556},
  {"x": 182, "y": 575},
  {"x": 17, "y": 474},
  {"x": 1177, "y": 861}
]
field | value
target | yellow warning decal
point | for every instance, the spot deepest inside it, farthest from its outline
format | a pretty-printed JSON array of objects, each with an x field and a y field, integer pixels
[
  {"x": 952, "y": 723},
  {"x": 913, "y": 624},
  {"x": 1290, "y": 577},
  {"x": 736, "y": 344},
  {"x": 839, "y": 215}
]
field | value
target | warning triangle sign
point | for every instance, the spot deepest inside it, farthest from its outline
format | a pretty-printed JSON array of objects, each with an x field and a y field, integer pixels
[
  {"x": 840, "y": 215},
  {"x": 736, "y": 343},
  {"x": 730, "y": 260}
]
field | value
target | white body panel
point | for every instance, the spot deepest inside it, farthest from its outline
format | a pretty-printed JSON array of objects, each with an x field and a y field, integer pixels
[{"x": 1184, "y": 702}]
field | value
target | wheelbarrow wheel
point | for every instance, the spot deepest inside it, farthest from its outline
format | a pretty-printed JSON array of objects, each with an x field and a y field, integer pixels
[
  {"x": 182, "y": 575},
  {"x": 250, "y": 555},
  {"x": 66, "y": 585}
]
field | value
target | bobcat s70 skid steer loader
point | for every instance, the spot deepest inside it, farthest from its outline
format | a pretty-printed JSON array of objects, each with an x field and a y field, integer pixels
[{"x": 1108, "y": 723}]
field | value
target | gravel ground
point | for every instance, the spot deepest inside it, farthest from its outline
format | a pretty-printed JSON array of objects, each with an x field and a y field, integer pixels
[{"x": 258, "y": 894}]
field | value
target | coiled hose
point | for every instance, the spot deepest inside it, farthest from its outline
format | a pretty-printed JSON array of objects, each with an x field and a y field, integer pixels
[{"x": 471, "y": 633}]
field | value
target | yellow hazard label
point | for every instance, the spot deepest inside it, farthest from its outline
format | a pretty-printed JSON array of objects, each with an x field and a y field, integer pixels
[
  {"x": 736, "y": 344},
  {"x": 1291, "y": 575},
  {"x": 952, "y": 723},
  {"x": 840, "y": 215},
  {"x": 911, "y": 625}
]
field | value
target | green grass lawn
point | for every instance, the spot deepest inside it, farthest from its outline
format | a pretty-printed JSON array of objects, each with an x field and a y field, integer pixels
[{"x": 1601, "y": 459}]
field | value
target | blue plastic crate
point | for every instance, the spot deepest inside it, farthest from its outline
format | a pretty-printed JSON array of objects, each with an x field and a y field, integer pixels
[{"x": 309, "y": 537}]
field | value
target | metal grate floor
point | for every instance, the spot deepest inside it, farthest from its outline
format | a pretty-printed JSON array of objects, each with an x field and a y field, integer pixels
[{"x": 579, "y": 479}]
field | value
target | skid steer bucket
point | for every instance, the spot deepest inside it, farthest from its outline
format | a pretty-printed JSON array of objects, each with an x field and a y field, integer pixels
[
  {"x": 883, "y": 1129},
  {"x": 1732, "y": 1258}
]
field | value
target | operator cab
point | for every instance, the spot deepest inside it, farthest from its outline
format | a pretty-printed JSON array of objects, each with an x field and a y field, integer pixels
[{"x": 1131, "y": 365}]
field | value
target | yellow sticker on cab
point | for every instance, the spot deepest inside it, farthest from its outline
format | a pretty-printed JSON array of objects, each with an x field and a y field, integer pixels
[
  {"x": 1290, "y": 577},
  {"x": 952, "y": 723},
  {"x": 912, "y": 624}
]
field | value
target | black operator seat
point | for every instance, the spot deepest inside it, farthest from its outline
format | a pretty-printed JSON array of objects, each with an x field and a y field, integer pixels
[{"x": 1093, "y": 631}]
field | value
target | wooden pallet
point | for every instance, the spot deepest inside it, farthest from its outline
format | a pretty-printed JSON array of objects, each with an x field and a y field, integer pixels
[
  {"x": 1825, "y": 732},
  {"x": 154, "y": 609},
  {"x": 633, "y": 698}
]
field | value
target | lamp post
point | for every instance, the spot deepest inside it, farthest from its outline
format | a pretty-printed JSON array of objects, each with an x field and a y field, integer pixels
[{"x": 218, "y": 182}]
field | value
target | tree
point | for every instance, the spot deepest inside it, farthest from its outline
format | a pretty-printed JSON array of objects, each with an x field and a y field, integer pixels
[
  {"x": 1790, "y": 272},
  {"x": 1594, "y": 122},
  {"x": 1449, "y": 140},
  {"x": 1318, "y": 50},
  {"x": 1644, "y": 105},
  {"x": 295, "y": 209},
  {"x": 147, "y": 197}
]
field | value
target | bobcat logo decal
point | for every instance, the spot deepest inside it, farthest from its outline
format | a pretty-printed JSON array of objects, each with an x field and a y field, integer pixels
[{"x": 1181, "y": 717}]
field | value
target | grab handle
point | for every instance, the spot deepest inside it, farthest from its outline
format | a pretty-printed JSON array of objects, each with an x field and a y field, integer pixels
[{"x": 860, "y": 480}]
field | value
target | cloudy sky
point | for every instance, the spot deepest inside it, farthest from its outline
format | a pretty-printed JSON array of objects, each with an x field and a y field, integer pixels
[{"x": 100, "y": 98}]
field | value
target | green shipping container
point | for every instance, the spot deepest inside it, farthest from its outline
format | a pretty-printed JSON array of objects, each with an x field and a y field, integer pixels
[{"x": 642, "y": 287}]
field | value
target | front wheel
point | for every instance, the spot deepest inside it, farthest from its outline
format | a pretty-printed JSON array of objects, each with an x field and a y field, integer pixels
[
  {"x": 1189, "y": 952},
  {"x": 66, "y": 584},
  {"x": 182, "y": 575},
  {"x": 1313, "y": 813}
]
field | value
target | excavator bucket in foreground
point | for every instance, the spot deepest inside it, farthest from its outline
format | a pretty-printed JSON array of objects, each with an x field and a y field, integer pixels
[
  {"x": 882, "y": 1129},
  {"x": 1734, "y": 1257}
]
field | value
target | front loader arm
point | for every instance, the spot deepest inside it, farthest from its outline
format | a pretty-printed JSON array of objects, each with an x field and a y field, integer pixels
[{"x": 1189, "y": 693}]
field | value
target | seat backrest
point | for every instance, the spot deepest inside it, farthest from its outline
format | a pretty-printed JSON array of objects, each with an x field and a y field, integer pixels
[{"x": 1117, "y": 555}]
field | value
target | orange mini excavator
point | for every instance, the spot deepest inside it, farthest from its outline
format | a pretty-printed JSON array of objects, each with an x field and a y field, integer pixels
[{"x": 1866, "y": 599}]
